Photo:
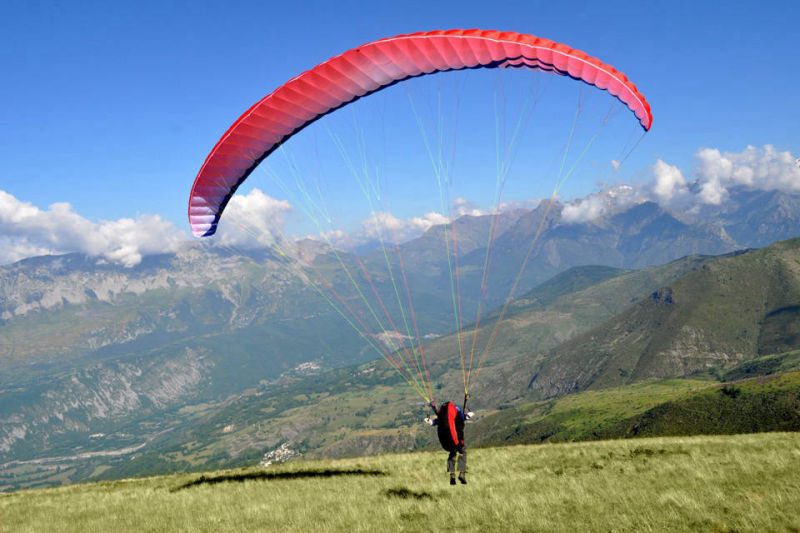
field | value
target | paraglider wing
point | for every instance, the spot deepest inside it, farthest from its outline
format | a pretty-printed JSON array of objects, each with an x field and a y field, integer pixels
[{"x": 369, "y": 68}]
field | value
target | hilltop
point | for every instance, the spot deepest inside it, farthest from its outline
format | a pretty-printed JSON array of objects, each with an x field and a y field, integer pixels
[{"x": 739, "y": 483}]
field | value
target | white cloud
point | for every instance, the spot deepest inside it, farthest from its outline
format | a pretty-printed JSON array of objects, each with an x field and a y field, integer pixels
[
  {"x": 333, "y": 236},
  {"x": 28, "y": 230},
  {"x": 253, "y": 220},
  {"x": 717, "y": 172},
  {"x": 524, "y": 204},
  {"x": 13, "y": 249},
  {"x": 385, "y": 226},
  {"x": 462, "y": 207},
  {"x": 583, "y": 210},
  {"x": 668, "y": 182},
  {"x": 598, "y": 205},
  {"x": 756, "y": 168},
  {"x": 381, "y": 227}
]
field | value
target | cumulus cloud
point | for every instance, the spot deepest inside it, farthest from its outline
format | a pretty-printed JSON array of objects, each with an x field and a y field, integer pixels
[
  {"x": 598, "y": 205},
  {"x": 253, "y": 220},
  {"x": 28, "y": 230},
  {"x": 716, "y": 174},
  {"x": 13, "y": 249},
  {"x": 668, "y": 182},
  {"x": 755, "y": 168},
  {"x": 333, "y": 236},
  {"x": 584, "y": 210},
  {"x": 381, "y": 227},
  {"x": 462, "y": 206},
  {"x": 382, "y": 224}
]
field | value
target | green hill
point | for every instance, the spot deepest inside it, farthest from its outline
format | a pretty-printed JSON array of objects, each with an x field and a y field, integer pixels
[
  {"x": 653, "y": 408},
  {"x": 727, "y": 311},
  {"x": 718, "y": 483},
  {"x": 573, "y": 280},
  {"x": 560, "y": 308},
  {"x": 764, "y": 366}
]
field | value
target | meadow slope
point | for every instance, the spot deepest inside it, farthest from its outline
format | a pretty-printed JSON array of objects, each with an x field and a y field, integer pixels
[{"x": 719, "y": 483}]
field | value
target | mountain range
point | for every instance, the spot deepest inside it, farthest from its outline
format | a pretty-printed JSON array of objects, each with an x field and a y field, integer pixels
[{"x": 96, "y": 358}]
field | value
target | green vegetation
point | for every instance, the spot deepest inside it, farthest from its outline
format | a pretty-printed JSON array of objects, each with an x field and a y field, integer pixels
[
  {"x": 573, "y": 280},
  {"x": 763, "y": 366},
  {"x": 730, "y": 483},
  {"x": 747, "y": 406},
  {"x": 655, "y": 408},
  {"x": 727, "y": 311},
  {"x": 581, "y": 416}
]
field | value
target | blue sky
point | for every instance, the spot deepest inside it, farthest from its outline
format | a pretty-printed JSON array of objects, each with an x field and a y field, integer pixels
[{"x": 112, "y": 107}]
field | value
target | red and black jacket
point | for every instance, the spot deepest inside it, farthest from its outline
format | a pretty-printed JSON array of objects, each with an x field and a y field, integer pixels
[{"x": 450, "y": 426}]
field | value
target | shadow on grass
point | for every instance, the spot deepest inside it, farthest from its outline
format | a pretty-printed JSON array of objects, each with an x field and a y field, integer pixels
[
  {"x": 407, "y": 494},
  {"x": 268, "y": 476}
]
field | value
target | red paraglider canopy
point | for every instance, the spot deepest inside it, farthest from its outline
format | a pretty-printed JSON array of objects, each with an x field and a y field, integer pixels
[{"x": 369, "y": 68}]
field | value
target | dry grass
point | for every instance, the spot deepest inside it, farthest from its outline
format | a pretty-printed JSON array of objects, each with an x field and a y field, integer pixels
[{"x": 721, "y": 483}]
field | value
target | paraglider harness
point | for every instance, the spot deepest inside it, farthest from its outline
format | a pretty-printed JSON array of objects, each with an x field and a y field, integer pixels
[{"x": 450, "y": 424}]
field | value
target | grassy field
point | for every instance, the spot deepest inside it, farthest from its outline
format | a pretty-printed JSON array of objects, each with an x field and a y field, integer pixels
[{"x": 719, "y": 483}]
